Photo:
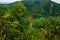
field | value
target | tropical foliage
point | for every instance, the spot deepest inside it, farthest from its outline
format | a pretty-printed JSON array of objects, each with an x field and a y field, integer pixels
[{"x": 17, "y": 23}]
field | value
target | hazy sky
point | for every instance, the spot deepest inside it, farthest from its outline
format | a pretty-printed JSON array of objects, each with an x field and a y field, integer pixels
[
  {"x": 57, "y": 1},
  {"x": 10, "y": 1}
]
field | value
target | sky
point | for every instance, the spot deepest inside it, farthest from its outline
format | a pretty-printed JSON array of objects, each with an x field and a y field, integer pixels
[
  {"x": 8, "y": 1},
  {"x": 11, "y": 1},
  {"x": 57, "y": 1}
]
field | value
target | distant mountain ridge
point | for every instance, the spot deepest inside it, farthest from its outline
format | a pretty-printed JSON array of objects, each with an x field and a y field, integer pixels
[
  {"x": 31, "y": 4},
  {"x": 56, "y": 7}
]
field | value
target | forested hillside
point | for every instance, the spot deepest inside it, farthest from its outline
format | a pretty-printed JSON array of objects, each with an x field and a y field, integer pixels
[
  {"x": 39, "y": 6},
  {"x": 30, "y": 20}
]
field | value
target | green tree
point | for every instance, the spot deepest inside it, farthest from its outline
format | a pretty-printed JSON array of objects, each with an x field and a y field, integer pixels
[
  {"x": 3, "y": 10},
  {"x": 14, "y": 24}
]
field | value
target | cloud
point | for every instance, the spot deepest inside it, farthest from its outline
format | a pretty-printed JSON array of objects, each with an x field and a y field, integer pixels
[
  {"x": 57, "y": 1},
  {"x": 8, "y": 1}
]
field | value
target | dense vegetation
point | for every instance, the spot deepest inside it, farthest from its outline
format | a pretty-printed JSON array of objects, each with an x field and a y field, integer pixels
[{"x": 17, "y": 23}]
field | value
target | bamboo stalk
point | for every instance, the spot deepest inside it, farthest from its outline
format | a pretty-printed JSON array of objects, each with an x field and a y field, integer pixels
[
  {"x": 51, "y": 8},
  {"x": 30, "y": 27}
]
